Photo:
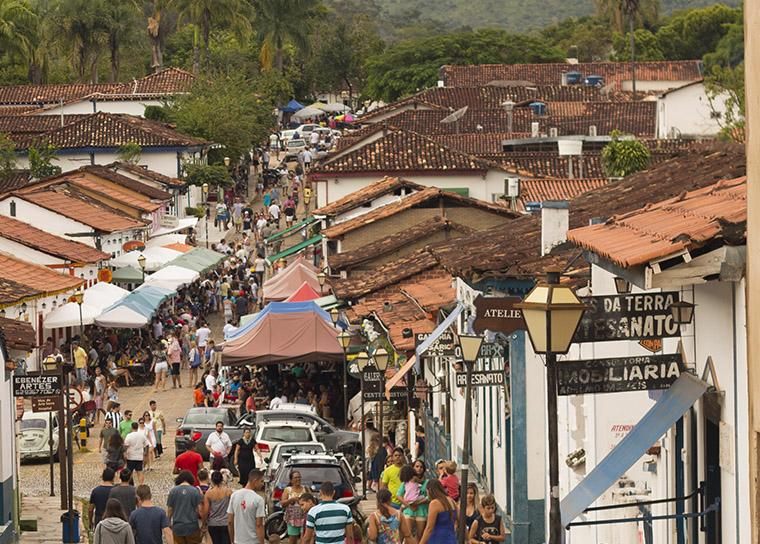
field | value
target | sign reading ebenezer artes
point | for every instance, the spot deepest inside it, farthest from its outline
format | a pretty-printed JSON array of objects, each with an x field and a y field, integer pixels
[
  {"x": 637, "y": 373},
  {"x": 37, "y": 385},
  {"x": 628, "y": 317}
]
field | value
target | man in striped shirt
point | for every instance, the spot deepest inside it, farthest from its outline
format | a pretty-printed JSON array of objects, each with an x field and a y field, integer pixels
[{"x": 329, "y": 522}]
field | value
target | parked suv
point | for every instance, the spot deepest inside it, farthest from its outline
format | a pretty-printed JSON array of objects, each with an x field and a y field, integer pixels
[
  {"x": 198, "y": 423},
  {"x": 269, "y": 433}
]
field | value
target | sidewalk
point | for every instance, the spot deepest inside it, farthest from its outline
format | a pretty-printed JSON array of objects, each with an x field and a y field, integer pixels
[{"x": 47, "y": 513}]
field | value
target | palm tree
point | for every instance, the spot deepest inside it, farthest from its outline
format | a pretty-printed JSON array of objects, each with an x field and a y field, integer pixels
[
  {"x": 42, "y": 40},
  {"x": 157, "y": 28},
  {"x": 17, "y": 22},
  {"x": 204, "y": 14},
  {"x": 82, "y": 24},
  {"x": 620, "y": 12},
  {"x": 282, "y": 22},
  {"x": 119, "y": 22}
]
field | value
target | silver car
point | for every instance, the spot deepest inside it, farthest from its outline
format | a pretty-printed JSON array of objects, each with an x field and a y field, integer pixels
[
  {"x": 35, "y": 435},
  {"x": 286, "y": 450}
]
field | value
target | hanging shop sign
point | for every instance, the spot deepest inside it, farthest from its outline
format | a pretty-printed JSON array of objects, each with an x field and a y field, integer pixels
[
  {"x": 47, "y": 404},
  {"x": 497, "y": 314},
  {"x": 481, "y": 378},
  {"x": 443, "y": 347},
  {"x": 373, "y": 387},
  {"x": 628, "y": 317},
  {"x": 618, "y": 374},
  {"x": 37, "y": 385}
]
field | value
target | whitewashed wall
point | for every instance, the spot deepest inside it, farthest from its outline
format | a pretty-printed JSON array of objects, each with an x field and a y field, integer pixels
[
  {"x": 129, "y": 107},
  {"x": 690, "y": 112},
  {"x": 163, "y": 162}
]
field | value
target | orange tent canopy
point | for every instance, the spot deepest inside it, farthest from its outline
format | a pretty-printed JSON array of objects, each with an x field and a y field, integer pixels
[{"x": 304, "y": 294}]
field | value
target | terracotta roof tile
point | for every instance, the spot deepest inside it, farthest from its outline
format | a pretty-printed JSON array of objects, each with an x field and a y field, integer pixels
[
  {"x": 18, "y": 335},
  {"x": 37, "y": 277},
  {"x": 388, "y": 244},
  {"x": 15, "y": 180},
  {"x": 401, "y": 151},
  {"x": 12, "y": 292},
  {"x": 365, "y": 195},
  {"x": 539, "y": 190},
  {"x": 170, "y": 80},
  {"x": 82, "y": 210},
  {"x": 415, "y": 199},
  {"x": 144, "y": 173},
  {"x": 685, "y": 222},
  {"x": 51, "y": 244},
  {"x": 137, "y": 186},
  {"x": 551, "y": 73},
  {"x": 111, "y": 130},
  {"x": 19, "y": 127}
]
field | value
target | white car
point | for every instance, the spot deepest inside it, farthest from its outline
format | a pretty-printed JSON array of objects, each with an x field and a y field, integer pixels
[
  {"x": 293, "y": 148},
  {"x": 286, "y": 136},
  {"x": 307, "y": 127},
  {"x": 286, "y": 450},
  {"x": 296, "y": 406},
  {"x": 35, "y": 434},
  {"x": 270, "y": 433}
]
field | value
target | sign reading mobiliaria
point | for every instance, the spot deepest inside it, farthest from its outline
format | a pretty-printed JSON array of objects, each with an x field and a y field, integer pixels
[
  {"x": 628, "y": 317},
  {"x": 612, "y": 375}
]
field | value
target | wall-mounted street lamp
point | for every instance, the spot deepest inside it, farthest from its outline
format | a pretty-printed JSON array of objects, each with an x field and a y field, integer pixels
[
  {"x": 682, "y": 312},
  {"x": 141, "y": 261},
  {"x": 345, "y": 340},
  {"x": 622, "y": 286}
]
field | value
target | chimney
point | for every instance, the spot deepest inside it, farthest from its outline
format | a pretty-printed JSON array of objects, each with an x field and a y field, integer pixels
[
  {"x": 534, "y": 129},
  {"x": 555, "y": 220}
]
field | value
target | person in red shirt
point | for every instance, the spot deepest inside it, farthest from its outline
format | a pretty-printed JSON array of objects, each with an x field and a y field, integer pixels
[
  {"x": 450, "y": 482},
  {"x": 191, "y": 461}
]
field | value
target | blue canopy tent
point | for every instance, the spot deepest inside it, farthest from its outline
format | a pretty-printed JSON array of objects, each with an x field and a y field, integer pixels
[
  {"x": 136, "y": 309},
  {"x": 291, "y": 107},
  {"x": 281, "y": 308}
]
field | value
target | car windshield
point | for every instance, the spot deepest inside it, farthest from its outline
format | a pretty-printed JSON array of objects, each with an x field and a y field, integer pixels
[
  {"x": 312, "y": 474},
  {"x": 285, "y": 434},
  {"x": 27, "y": 424},
  {"x": 204, "y": 418},
  {"x": 301, "y": 448}
]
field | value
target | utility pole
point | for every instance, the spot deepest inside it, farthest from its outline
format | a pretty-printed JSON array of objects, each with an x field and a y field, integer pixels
[{"x": 752, "y": 89}]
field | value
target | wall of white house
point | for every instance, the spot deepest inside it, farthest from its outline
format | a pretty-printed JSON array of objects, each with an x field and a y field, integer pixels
[
  {"x": 652, "y": 85},
  {"x": 376, "y": 203},
  {"x": 690, "y": 112},
  {"x": 163, "y": 162},
  {"x": 129, "y": 107},
  {"x": 8, "y": 475}
]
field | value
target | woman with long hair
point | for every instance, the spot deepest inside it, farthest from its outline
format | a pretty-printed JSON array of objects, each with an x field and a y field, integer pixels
[
  {"x": 377, "y": 455},
  {"x": 113, "y": 528},
  {"x": 387, "y": 525},
  {"x": 442, "y": 514},
  {"x": 244, "y": 455},
  {"x": 115, "y": 452},
  {"x": 419, "y": 516},
  {"x": 295, "y": 517},
  {"x": 473, "y": 505},
  {"x": 215, "y": 503}
]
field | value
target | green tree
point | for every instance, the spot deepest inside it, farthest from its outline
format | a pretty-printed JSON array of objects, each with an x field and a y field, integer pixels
[
  {"x": 83, "y": 28},
  {"x": 283, "y": 22},
  {"x": 411, "y": 65},
  {"x": 647, "y": 46},
  {"x": 623, "y": 14},
  {"x": 204, "y": 15},
  {"x": 130, "y": 153},
  {"x": 693, "y": 33},
  {"x": 41, "y": 161},
  {"x": 17, "y": 20},
  {"x": 197, "y": 173},
  {"x": 159, "y": 25},
  {"x": 120, "y": 25},
  {"x": 7, "y": 155},
  {"x": 225, "y": 110},
  {"x": 587, "y": 38},
  {"x": 624, "y": 157}
]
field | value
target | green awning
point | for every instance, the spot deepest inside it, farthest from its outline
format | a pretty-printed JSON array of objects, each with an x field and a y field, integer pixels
[
  {"x": 294, "y": 249},
  {"x": 290, "y": 230},
  {"x": 327, "y": 303},
  {"x": 127, "y": 274},
  {"x": 199, "y": 259}
]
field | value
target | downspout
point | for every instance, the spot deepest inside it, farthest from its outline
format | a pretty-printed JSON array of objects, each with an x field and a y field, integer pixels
[{"x": 735, "y": 356}]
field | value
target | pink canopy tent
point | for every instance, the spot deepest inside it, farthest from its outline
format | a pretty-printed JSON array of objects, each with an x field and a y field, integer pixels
[
  {"x": 304, "y": 261},
  {"x": 303, "y": 337},
  {"x": 288, "y": 282},
  {"x": 304, "y": 293}
]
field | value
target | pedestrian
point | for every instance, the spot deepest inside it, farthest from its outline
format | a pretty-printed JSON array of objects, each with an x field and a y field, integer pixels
[
  {"x": 219, "y": 446},
  {"x": 420, "y": 513},
  {"x": 450, "y": 482},
  {"x": 175, "y": 360},
  {"x": 487, "y": 527},
  {"x": 184, "y": 509},
  {"x": 472, "y": 508},
  {"x": 294, "y": 514},
  {"x": 202, "y": 336},
  {"x": 391, "y": 477},
  {"x": 159, "y": 424},
  {"x": 125, "y": 426},
  {"x": 100, "y": 394},
  {"x": 194, "y": 360},
  {"x": 199, "y": 394},
  {"x": 246, "y": 512},
  {"x": 99, "y": 497},
  {"x": 329, "y": 521},
  {"x": 146, "y": 426},
  {"x": 105, "y": 437},
  {"x": 442, "y": 515},
  {"x": 210, "y": 380},
  {"x": 149, "y": 522},
  {"x": 160, "y": 366},
  {"x": 80, "y": 362},
  {"x": 244, "y": 455},
  {"x": 411, "y": 496},
  {"x": 216, "y": 502},
  {"x": 125, "y": 492},
  {"x": 190, "y": 461},
  {"x": 377, "y": 455},
  {"x": 387, "y": 525},
  {"x": 114, "y": 528},
  {"x": 115, "y": 452},
  {"x": 134, "y": 445}
]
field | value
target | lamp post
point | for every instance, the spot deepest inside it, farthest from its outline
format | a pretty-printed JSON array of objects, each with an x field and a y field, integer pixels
[
  {"x": 552, "y": 314},
  {"x": 204, "y": 190},
  {"x": 381, "y": 356},
  {"x": 321, "y": 278},
  {"x": 470, "y": 345},
  {"x": 345, "y": 339},
  {"x": 334, "y": 315},
  {"x": 141, "y": 261},
  {"x": 361, "y": 361},
  {"x": 79, "y": 299}
]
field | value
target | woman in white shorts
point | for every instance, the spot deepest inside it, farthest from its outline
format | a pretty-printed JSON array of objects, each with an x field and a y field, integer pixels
[{"x": 160, "y": 367}]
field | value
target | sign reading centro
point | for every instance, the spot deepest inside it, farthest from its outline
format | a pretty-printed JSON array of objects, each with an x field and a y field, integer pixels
[{"x": 628, "y": 317}]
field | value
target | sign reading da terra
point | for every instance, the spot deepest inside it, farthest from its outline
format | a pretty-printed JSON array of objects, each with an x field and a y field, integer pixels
[
  {"x": 497, "y": 314},
  {"x": 628, "y": 317}
]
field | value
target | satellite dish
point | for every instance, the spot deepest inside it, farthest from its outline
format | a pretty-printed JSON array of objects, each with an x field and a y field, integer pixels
[{"x": 456, "y": 116}]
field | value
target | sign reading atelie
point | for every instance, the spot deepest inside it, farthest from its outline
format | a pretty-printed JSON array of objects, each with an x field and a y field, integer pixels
[
  {"x": 628, "y": 317},
  {"x": 497, "y": 314},
  {"x": 612, "y": 375}
]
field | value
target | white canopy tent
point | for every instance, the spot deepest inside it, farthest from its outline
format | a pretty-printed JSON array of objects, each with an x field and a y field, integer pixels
[
  {"x": 122, "y": 317},
  {"x": 68, "y": 316},
  {"x": 172, "y": 276},
  {"x": 184, "y": 223},
  {"x": 166, "y": 239},
  {"x": 155, "y": 258},
  {"x": 335, "y": 107},
  {"x": 103, "y": 294},
  {"x": 307, "y": 112}
]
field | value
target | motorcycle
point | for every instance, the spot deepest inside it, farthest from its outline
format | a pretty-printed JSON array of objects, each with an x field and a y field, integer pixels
[{"x": 275, "y": 522}]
